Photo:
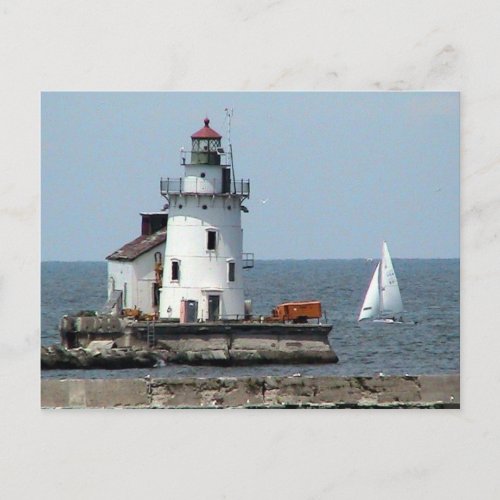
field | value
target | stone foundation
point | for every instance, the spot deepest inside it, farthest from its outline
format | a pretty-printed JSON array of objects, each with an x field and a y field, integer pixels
[{"x": 216, "y": 344}]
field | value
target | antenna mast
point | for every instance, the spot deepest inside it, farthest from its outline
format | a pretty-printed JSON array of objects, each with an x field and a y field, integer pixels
[{"x": 229, "y": 115}]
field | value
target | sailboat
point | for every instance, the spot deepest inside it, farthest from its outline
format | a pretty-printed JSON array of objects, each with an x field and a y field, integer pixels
[{"x": 383, "y": 299}]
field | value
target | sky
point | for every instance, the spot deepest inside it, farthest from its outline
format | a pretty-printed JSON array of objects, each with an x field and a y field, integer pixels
[{"x": 341, "y": 171}]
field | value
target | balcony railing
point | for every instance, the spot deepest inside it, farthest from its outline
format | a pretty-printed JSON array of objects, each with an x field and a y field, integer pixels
[
  {"x": 196, "y": 185},
  {"x": 247, "y": 260}
]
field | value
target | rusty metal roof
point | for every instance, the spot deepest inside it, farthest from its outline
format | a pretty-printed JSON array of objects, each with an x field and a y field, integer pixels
[
  {"x": 206, "y": 132},
  {"x": 140, "y": 245}
]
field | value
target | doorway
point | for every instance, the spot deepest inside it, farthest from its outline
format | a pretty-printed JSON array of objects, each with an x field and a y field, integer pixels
[
  {"x": 191, "y": 311},
  {"x": 213, "y": 307}
]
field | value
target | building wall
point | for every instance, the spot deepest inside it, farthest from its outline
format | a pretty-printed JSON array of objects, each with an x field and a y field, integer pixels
[
  {"x": 119, "y": 274},
  {"x": 139, "y": 276},
  {"x": 211, "y": 183},
  {"x": 203, "y": 272}
]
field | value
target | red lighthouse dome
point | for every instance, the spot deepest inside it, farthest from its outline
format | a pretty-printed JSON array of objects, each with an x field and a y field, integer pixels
[{"x": 206, "y": 132}]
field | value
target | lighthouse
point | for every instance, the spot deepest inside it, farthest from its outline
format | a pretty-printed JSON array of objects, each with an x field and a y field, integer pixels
[
  {"x": 203, "y": 259},
  {"x": 183, "y": 278}
]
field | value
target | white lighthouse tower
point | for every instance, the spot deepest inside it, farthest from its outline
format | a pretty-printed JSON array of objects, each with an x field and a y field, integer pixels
[{"x": 203, "y": 261}]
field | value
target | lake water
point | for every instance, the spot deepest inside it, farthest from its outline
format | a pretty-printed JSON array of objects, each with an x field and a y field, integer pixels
[{"x": 431, "y": 295}]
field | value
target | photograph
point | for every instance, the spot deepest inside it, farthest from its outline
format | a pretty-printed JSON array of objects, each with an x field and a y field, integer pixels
[
  {"x": 250, "y": 207},
  {"x": 253, "y": 250}
]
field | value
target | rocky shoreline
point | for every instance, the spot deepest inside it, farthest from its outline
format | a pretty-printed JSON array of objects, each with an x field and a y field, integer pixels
[
  {"x": 194, "y": 353},
  {"x": 56, "y": 357}
]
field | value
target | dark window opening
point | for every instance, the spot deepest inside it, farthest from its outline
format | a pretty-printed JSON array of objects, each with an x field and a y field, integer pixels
[
  {"x": 211, "y": 240},
  {"x": 153, "y": 222},
  {"x": 180, "y": 206},
  {"x": 175, "y": 270},
  {"x": 202, "y": 174},
  {"x": 204, "y": 207},
  {"x": 229, "y": 207},
  {"x": 156, "y": 294},
  {"x": 226, "y": 180},
  {"x": 231, "y": 270}
]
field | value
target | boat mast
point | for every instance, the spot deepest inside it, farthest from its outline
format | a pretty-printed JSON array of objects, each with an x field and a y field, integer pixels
[{"x": 380, "y": 294}]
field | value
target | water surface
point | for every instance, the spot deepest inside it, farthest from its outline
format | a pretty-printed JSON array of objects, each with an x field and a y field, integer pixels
[{"x": 431, "y": 295}]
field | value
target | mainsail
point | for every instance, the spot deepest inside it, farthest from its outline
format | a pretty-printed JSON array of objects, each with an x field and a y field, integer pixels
[{"x": 390, "y": 296}]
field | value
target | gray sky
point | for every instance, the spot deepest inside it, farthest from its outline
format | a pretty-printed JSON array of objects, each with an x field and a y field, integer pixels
[{"x": 341, "y": 171}]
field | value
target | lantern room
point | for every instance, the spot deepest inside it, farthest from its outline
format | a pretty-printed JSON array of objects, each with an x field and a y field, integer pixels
[{"x": 206, "y": 146}]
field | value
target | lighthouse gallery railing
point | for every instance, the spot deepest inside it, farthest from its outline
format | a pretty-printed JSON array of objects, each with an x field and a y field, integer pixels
[
  {"x": 186, "y": 185},
  {"x": 247, "y": 260}
]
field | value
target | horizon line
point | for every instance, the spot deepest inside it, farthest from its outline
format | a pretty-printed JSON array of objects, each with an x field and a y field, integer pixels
[{"x": 292, "y": 258}]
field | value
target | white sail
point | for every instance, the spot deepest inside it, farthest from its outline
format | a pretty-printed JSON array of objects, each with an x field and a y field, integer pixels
[
  {"x": 390, "y": 296},
  {"x": 371, "y": 305}
]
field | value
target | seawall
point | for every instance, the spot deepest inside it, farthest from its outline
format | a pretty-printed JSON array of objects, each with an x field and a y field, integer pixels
[
  {"x": 422, "y": 391},
  {"x": 199, "y": 343}
]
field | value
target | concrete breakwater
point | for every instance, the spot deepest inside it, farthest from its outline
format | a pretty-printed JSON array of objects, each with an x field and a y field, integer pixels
[
  {"x": 211, "y": 343},
  {"x": 219, "y": 348},
  {"x": 422, "y": 391}
]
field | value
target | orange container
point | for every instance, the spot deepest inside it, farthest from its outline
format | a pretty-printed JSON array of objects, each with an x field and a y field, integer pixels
[{"x": 298, "y": 311}]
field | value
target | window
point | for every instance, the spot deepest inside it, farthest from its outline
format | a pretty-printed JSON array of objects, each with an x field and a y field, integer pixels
[
  {"x": 211, "y": 239},
  {"x": 214, "y": 144},
  {"x": 175, "y": 270},
  {"x": 156, "y": 294},
  {"x": 231, "y": 267}
]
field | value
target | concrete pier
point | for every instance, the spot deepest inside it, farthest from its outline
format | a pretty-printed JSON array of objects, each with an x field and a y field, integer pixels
[
  {"x": 422, "y": 391},
  {"x": 141, "y": 344}
]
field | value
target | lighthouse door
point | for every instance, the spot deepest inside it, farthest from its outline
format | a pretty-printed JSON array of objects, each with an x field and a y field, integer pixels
[{"x": 213, "y": 307}]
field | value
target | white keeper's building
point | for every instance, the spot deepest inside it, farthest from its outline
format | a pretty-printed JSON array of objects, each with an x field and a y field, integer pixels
[{"x": 133, "y": 278}]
